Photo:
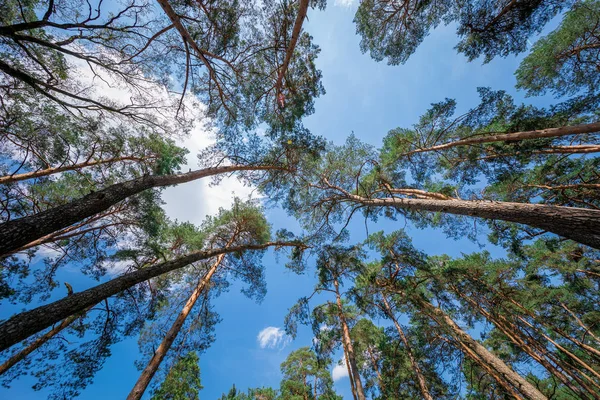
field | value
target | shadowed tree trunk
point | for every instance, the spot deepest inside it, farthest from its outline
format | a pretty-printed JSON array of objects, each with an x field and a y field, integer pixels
[
  {"x": 28, "y": 323},
  {"x": 579, "y": 224},
  {"x": 36, "y": 344},
  {"x": 18, "y": 233}
]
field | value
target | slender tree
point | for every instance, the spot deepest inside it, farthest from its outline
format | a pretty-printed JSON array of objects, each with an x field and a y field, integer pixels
[{"x": 182, "y": 381}]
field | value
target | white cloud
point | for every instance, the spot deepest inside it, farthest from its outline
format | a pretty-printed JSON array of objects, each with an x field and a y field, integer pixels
[
  {"x": 191, "y": 201},
  {"x": 272, "y": 337},
  {"x": 340, "y": 371},
  {"x": 344, "y": 3}
]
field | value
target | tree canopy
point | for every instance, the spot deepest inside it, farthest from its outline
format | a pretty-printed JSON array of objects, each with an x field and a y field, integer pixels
[{"x": 97, "y": 102}]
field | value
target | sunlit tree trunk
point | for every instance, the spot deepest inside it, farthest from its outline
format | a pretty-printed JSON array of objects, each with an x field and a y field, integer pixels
[
  {"x": 515, "y": 136},
  {"x": 54, "y": 170},
  {"x": 146, "y": 376},
  {"x": 348, "y": 347},
  {"x": 517, "y": 381}
]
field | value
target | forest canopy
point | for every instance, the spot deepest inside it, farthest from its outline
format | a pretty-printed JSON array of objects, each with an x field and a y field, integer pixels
[{"x": 453, "y": 256}]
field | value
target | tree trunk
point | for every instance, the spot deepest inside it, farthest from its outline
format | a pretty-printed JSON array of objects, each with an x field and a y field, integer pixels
[
  {"x": 348, "y": 347},
  {"x": 350, "y": 378},
  {"x": 54, "y": 170},
  {"x": 201, "y": 53},
  {"x": 489, "y": 370},
  {"x": 411, "y": 357},
  {"x": 17, "y": 233},
  {"x": 542, "y": 356},
  {"x": 514, "y": 137},
  {"x": 27, "y": 323},
  {"x": 302, "y": 10},
  {"x": 579, "y": 224},
  {"x": 380, "y": 381},
  {"x": 36, "y": 344},
  {"x": 521, "y": 384},
  {"x": 146, "y": 376}
]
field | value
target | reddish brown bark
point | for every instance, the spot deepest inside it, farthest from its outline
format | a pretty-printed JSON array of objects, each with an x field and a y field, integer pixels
[
  {"x": 54, "y": 170},
  {"x": 302, "y": 10},
  {"x": 146, "y": 376},
  {"x": 348, "y": 347},
  {"x": 517, "y": 381},
  {"x": 536, "y": 352}
]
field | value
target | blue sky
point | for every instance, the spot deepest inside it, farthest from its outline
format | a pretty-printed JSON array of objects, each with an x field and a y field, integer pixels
[{"x": 364, "y": 97}]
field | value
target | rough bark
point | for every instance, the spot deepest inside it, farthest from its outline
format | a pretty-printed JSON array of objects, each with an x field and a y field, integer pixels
[
  {"x": 521, "y": 384},
  {"x": 28, "y": 323},
  {"x": 348, "y": 347},
  {"x": 36, "y": 344},
  {"x": 411, "y": 357},
  {"x": 19, "y": 232},
  {"x": 148, "y": 373},
  {"x": 514, "y": 137},
  {"x": 579, "y": 224},
  {"x": 489, "y": 370}
]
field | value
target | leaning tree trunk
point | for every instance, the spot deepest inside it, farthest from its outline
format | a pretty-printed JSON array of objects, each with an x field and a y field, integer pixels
[
  {"x": 348, "y": 348},
  {"x": 579, "y": 224},
  {"x": 516, "y": 380},
  {"x": 4, "y": 180},
  {"x": 146, "y": 376},
  {"x": 514, "y": 137},
  {"x": 538, "y": 353},
  {"x": 17, "y": 233},
  {"x": 413, "y": 362},
  {"x": 28, "y": 323},
  {"x": 302, "y": 10},
  {"x": 39, "y": 342},
  {"x": 352, "y": 386}
]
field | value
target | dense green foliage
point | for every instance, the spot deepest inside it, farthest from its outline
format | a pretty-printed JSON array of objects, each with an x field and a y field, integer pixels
[{"x": 182, "y": 381}]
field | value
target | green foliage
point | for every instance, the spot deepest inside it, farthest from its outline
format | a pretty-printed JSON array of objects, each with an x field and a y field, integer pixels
[
  {"x": 393, "y": 31},
  {"x": 565, "y": 62},
  {"x": 182, "y": 381},
  {"x": 252, "y": 394},
  {"x": 306, "y": 377}
]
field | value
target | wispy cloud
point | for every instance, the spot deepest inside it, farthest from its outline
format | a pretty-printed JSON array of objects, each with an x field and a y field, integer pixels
[
  {"x": 340, "y": 371},
  {"x": 344, "y": 3},
  {"x": 272, "y": 338}
]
